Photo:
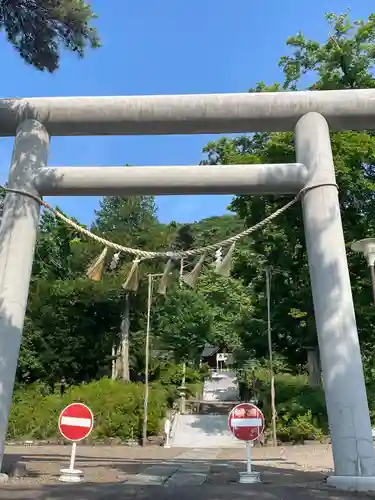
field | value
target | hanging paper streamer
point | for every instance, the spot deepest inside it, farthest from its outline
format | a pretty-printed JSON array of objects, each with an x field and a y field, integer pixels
[
  {"x": 95, "y": 271},
  {"x": 115, "y": 260},
  {"x": 165, "y": 280},
  {"x": 132, "y": 280},
  {"x": 218, "y": 256},
  {"x": 191, "y": 278},
  {"x": 224, "y": 267}
]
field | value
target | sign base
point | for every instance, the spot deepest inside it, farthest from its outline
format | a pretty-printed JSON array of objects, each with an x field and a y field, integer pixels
[
  {"x": 249, "y": 477},
  {"x": 71, "y": 476},
  {"x": 4, "y": 478}
]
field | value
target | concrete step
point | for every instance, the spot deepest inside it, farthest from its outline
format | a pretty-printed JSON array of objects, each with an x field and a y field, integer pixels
[
  {"x": 214, "y": 408},
  {"x": 203, "y": 431},
  {"x": 223, "y": 386}
]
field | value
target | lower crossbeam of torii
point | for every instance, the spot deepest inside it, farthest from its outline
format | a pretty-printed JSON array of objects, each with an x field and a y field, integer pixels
[{"x": 309, "y": 114}]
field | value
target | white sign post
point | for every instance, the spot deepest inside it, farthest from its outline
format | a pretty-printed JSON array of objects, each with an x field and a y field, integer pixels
[
  {"x": 76, "y": 421},
  {"x": 73, "y": 458},
  {"x": 249, "y": 444},
  {"x": 246, "y": 423}
]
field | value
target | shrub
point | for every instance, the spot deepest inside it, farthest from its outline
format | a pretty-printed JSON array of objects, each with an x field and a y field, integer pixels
[
  {"x": 170, "y": 380},
  {"x": 298, "y": 428},
  {"x": 117, "y": 409},
  {"x": 301, "y": 411}
]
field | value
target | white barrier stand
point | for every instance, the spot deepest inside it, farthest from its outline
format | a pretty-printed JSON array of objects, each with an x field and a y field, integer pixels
[
  {"x": 167, "y": 430},
  {"x": 71, "y": 475},
  {"x": 249, "y": 476}
]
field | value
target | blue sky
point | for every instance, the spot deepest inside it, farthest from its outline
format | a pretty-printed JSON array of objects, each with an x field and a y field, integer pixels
[{"x": 166, "y": 47}]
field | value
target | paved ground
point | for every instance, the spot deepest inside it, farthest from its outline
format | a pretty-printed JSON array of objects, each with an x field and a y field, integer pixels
[{"x": 288, "y": 473}]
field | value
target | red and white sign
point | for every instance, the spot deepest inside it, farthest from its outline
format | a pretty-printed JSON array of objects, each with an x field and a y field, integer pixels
[
  {"x": 76, "y": 421},
  {"x": 246, "y": 422}
]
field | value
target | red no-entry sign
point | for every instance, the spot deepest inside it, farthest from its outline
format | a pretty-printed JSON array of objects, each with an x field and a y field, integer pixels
[
  {"x": 76, "y": 421},
  {"x": 246, "y": 422}
]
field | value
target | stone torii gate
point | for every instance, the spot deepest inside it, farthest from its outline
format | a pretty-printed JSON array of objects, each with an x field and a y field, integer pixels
[{"x": 308, "y": 114}]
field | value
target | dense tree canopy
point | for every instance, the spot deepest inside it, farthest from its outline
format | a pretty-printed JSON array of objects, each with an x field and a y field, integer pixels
[{"x": 38, "y": 29}]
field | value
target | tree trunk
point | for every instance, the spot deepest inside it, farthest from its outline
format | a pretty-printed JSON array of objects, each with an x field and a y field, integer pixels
[
  {"x": 120, "y": 367},
  {"x": 124, "y": 340},
  {"x": 114, "y": 363},
  {"x": 313, "y": 367}
]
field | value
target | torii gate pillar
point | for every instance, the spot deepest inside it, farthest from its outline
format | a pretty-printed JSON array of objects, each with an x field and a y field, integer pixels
[{"x": 344, "y": 384}]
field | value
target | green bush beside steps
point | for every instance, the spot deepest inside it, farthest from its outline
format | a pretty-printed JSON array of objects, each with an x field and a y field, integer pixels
[{"x": 117, "y": 409}]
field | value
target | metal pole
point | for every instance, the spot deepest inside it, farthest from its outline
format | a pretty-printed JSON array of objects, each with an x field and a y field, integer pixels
[
  {"x": 73, "y": 457},
  {"x": 125, "y": 325},
  {"x": 372, "y": 271},
  {"x": 18, "y": 232},
  {"x": 183, "y": 393},
  {"x": 183, "y": 396},
  {"x": 147, "y": 354},
  {"x": 269, "y": 334},
  {"x": 248, "y": 456}
]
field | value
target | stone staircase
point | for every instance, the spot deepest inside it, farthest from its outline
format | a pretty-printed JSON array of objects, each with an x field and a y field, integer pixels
[
  {"x": 203, "y": 431},
  {"x": 207, "y": 425}
]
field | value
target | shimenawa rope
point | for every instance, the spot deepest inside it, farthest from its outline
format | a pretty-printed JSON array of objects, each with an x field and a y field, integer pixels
[{"x": 144, "y": 254}]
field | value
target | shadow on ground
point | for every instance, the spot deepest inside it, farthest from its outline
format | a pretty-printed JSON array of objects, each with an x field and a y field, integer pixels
[{"x": 278, "y": 483}]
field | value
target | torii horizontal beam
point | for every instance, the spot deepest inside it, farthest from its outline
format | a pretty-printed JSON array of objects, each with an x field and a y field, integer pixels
[
  {"x": 285, "y": 178},
  {"x": 189, "y": 114}
]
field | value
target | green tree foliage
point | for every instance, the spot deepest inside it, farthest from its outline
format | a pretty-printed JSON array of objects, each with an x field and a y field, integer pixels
[
  {"x": 73, "y": 322},
  {"x": 185, "y": 238},
  {"x": 345, "y": 60},
  {"x": 130, "y": 221},
  {"x": 182, "y": 323},
  {"x": 125, "y": 214},
  {"x": 57, "y": 255},
  {"x": 38, "y": 29},
  {"x": 230, "y": 306},
  {"x": 70, "y": 329}
]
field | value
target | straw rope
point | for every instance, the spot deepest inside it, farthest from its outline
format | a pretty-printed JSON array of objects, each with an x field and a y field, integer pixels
[{"x": 144, "y": 254}]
